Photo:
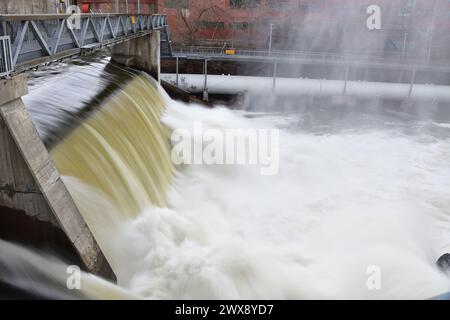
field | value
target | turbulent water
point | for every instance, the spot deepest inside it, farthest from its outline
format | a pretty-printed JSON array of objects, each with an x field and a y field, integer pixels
[{"x": 343, "y": 201}]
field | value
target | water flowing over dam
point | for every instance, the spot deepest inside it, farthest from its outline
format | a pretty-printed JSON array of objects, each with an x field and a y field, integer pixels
[{"x": 350, "y": 194}]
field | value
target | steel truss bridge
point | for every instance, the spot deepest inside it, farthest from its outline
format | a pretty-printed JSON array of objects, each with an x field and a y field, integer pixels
[{"x": 30, "y": 40}]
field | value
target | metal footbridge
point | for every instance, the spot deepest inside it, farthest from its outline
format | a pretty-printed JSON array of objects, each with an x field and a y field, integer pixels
[
  {"x": 344, "y": 60},
  {"x": 307, "y": 58},
  {"x": 30, "y": 40}
]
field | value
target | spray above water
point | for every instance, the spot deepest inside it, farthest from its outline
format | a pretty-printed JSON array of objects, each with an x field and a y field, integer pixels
[
  {"x": 38, "y": 275},
  {"x": 341, "y": 206}
]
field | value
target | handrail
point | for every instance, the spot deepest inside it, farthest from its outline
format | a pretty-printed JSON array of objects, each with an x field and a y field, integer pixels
[
  {"x": 41, "y": 38},
  {"x": 221, "y": 52},
  {"x": 22, "y": 17}
]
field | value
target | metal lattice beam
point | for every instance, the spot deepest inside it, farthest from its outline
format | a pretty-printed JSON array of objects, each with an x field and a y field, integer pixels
[
  {"x": 41, "y": 38},
  {"x": 5, "y": 56}
]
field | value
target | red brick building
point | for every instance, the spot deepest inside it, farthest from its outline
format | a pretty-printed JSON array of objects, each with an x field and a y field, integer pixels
[{"x": 409, "y": 27}]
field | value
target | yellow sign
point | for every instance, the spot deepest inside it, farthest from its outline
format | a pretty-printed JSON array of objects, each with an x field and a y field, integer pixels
[{"x": 230, "y": 51}]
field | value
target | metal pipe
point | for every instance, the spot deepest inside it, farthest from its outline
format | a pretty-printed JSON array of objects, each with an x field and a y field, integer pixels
[{"x": 220, "y": 84}]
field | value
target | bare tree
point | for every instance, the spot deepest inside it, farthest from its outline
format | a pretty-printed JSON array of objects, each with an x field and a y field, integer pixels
[{"x": 197, "y": 13}]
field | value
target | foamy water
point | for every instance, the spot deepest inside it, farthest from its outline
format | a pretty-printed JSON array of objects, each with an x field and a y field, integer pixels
[
  {"x": 347, "y": 198},
  {"x": 340, "y": 204}
]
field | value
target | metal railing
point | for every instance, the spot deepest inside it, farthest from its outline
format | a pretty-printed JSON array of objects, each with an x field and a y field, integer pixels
[
  {"x": 219, "y": 51},
  {"x": 36, "y": 39},
  {"x": 226, "y": 53},
  {"x": 6, "y": 62}
]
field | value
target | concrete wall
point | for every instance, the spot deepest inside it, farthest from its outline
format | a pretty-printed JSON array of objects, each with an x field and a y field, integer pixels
[
  {"x": 31, "y": 186},
  {"x": 27, "y": 6},
  {"x": 141, "y": 53}
]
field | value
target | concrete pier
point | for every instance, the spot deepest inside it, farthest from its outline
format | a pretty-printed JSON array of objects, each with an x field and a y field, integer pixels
[
  {"x": 141, "y": 53},
  {"x": 32, "y": 193}
]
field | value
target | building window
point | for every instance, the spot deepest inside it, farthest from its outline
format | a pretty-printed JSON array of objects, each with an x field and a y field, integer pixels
[
  {"x": 244, "y": 4},
  {"x": 280, "y": 4},
  {"x": 211, "y": 25},
  {"x": 242, "y": 25},
  {"x": 309, "y": 6},
  {"x": 176, "y": 4}
]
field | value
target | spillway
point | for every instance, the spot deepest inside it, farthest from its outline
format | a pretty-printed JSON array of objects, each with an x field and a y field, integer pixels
[{"x": 366, "y": 186}]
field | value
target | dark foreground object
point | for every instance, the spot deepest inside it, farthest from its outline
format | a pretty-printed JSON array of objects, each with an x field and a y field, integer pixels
[{"x": 444, "y": 262}]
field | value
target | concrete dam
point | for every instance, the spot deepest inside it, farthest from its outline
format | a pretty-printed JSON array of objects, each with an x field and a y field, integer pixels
[
  {"x": 303, "y": 188},
  {"x": 38, "y": 209},
  {"x": 107, "y": 140}
]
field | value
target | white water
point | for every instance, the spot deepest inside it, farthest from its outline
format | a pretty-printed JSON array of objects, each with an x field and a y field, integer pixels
[{"x": 340, "y": 203}]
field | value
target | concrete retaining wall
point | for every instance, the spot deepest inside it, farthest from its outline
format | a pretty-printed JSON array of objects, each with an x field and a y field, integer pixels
[
  {"x": 141, "y": 53},
  {"x": 31, "y": 185}
]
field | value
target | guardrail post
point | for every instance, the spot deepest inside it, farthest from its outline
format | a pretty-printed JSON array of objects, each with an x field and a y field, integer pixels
[
  {"x": 346, "y": 79},
  {"x": 411, "y": 86},
  {"x": 274, "y": 82},
  {"x": 177, "y": 72},
  {"x": 205, "y": 88}
]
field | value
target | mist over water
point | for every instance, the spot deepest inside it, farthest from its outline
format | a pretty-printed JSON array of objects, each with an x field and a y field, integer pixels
[
  {"x": 364, "y": 187},
  {"x": 341, "y": 203}
]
